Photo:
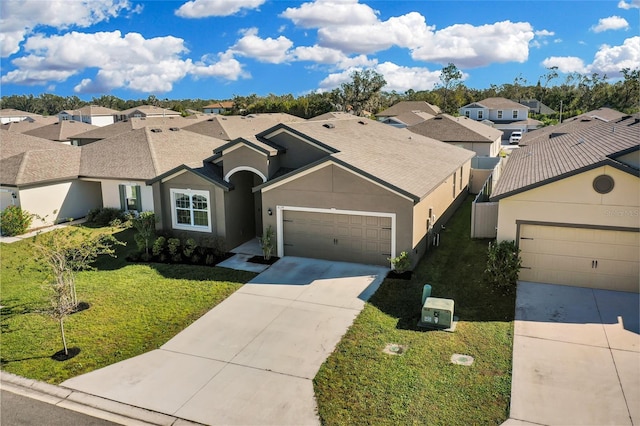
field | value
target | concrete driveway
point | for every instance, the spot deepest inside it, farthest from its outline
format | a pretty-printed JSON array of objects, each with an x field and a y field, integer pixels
[
  {"x": 251, "y": 359},
  {"x": 576, "y": 357}
]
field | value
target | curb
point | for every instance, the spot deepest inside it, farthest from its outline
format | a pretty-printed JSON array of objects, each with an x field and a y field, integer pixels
[{"x": 84, "y": 403}]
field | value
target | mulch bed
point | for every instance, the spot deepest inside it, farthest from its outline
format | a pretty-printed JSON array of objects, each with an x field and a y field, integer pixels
[
  {"x": 261, "y": 260},
  {"x": 61, "y": 356},
  {"x": 400, "y": 276}
]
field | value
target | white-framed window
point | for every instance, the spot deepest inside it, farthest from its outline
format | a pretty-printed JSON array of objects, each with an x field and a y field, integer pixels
[
  {"x": 499, "y": 114},
  {"x": 515, "y": 113},
  {"x": 190, "y": 210},
  {"x": 467, "y": 113},
  {"x": 480, "y": 114}
]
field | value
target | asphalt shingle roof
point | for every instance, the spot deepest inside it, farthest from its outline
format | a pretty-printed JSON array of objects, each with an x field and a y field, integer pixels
[
  {"x": 456, "y": 129},
  {"x": 27, "y": 125},
  {"x": 498, "y": 103},
  {"x": 409, "y": 106},
  {"x": 412, "y": 163},
  {"x": 230, "y": 127},
  {"x": 61, "y": 131},
  {"x": 547, "y": 159}
]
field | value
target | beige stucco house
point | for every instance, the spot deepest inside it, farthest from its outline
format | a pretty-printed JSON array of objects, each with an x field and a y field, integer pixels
[
  {"x": 351, "y": 189},
  {"x": 41, "y": 176},
  {"x": 571, "y": 201}
]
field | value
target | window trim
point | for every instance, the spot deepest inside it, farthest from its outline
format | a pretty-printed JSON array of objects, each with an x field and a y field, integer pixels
[
  {"x": 499, "y": 114},
  {"x": 480, "y": 114},
  {"x": 515, "y": 114},
  {"x": 190, "y": 193}
]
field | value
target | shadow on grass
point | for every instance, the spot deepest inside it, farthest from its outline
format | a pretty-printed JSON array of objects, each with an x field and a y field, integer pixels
[
  {"x": 4, "y": 361},
  {"x": 12, "y": 309},
  {"x": 455, "y": 270}
]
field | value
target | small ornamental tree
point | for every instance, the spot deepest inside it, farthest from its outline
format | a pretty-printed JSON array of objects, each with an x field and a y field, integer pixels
[
  {"x": 15, "y": 221},
  {"x": 402, "y": 263},
  {"x": 503, "y": 265},
  {"x": 65, "y": 253},
  {"x": 145, "y": 225},
  {"x": 266, "y": 243}
]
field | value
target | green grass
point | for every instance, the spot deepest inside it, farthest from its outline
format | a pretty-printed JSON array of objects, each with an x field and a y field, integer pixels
[
  {"x": 134, "y": 308},
  {"x": 359, "y": 384}
]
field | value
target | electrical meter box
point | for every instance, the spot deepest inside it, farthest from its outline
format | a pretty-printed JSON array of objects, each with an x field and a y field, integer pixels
[{"x": 437, "y": 313}]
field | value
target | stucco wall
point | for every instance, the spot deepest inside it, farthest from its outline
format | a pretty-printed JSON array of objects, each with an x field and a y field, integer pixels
[
  {"x": 60, "y": 201},
  {"x": 244, "y": 156},
  {"x": 333, "y": 187},
  {"x": 298, "y": 153},
  {"x": 111, "y": 193},
  {"x": 574, "y": 201}
]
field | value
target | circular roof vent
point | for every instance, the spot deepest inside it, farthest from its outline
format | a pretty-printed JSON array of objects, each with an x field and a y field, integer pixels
[{"x": 603, "y": 184}]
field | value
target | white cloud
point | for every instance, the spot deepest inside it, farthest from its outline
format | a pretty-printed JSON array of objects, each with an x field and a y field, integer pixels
[
  {"x": 21, "y": 17},
  {"x": 544, "y": 33},
  {"x": 565, "y": 64},
  {"x": 609, "y": 60},
  {"x": 322, "y": 13},
  {"x": 468, "y": 46},
  {"x": 610, "y": 23},
  {"x": 633, "y": 4},
  {"x": 398, "y": 78},
  {"x": 207, "y": 8},
  {"x": 129, "y": 61},
  {"x": 329, "y": 56},
  {"x": 274, "y": 51}
]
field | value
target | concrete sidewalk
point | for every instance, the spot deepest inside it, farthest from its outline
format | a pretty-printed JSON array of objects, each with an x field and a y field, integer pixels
[
  {"x": 576, "y": 357},
  {"x": 252, "y": 358}
]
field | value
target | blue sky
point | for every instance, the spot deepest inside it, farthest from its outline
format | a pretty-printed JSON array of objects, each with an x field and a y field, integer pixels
[{"x": 215, "y": 49}]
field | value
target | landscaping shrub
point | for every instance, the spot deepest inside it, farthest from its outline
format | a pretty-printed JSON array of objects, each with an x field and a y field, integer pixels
[
  {"x": 105, "y": 216},
  {"x": 503, "y": 265},
  {"x": 158, "y": 246},
  {"x": 15, "y": 221},
  {"x": 401, "y": 263},
  {"x": 174, "y": 249}
]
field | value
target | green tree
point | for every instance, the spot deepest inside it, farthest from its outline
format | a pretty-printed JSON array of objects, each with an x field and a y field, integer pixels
[
  {"x": 145, "y": 225},
  {"x": 450, "y": 80},
  {"x": 64, "y": 253},
  {"x": 362, "y": 92}
]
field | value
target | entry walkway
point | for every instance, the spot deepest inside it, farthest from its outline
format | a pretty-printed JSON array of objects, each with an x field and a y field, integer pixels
[
  {"x": 576, "y": 357},
  {"x": 251, "y": 359}
]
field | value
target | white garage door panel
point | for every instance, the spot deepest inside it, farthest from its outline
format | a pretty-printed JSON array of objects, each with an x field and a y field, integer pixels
[
  {"x": 334, "y": 236},
  {"x": 580, "y": 257}
]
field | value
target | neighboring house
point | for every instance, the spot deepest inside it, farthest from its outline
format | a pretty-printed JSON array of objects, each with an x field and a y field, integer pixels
[
  {"x": 230, "y": 127},
  {"x": 146, "y": 111},
  {"x": 407, "y": 119},
  {"x": 41, "y": 177},
  {"x": 218, "y": 107},
  {"x": 571, "y": 202},
  {"x": 535, "y": 106},
  {"x": 408, "y": 106},
  {"x": 120, "y": 165},
  {"x": 9, "y": 115},
  {"x": 475, "y": 136},
  {"x": 131, "y": 124},
  {"x": 29, "y": 124},
  {"x": 91, "y": 114},
  {"x": 351, "y": 190},
  {"x": 62, "y": 131},
  {"x": 505, "y": 115}
]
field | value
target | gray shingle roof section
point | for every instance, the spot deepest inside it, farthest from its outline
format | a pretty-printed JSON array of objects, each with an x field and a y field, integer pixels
[
  {"x": 446, "y": 128},
  {"x": 409, "y": 106},
  {"x": 395, "y": 157},
  {"x": 27, "y": 160},
  {"x": 145, "y": 153},
  {"x": 548, "y": 160},
  {"x": 61, "y": 131},
  {"x": 137, "y": 123},
  {"x": 498, "y": 103},
  {"x": 410, "y": 118},
  {"x": 27, "y": 125},
  {"x": 11, "y": 112},
  {"x": 230, "y": 127},
  {"x": 150, "y": 110},
  {"x": 93, "y": 111}
]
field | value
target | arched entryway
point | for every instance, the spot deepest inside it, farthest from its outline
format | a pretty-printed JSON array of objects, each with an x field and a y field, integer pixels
[{"x": 244, "y": 207}]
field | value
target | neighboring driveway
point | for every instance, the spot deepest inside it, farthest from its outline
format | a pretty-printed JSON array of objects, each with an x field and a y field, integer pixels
[
  {"x": 252, "y": 358},
  {"x": 576, "y": 357}
]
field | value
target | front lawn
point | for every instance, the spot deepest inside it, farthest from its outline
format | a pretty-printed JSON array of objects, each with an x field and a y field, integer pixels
[
  {"x": 359, "y": 384},
  {"x": 134, "y": 308}
]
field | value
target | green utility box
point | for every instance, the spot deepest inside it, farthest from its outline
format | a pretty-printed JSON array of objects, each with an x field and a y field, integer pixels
[{"x": 437, "y": 313}]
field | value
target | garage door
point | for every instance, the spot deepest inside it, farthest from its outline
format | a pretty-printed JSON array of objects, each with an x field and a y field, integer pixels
[
  {"x": 580, "y": 257},
  {"x": 341, "y": 237}
]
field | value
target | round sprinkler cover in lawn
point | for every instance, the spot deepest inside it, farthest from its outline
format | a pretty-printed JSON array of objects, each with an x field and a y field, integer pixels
[
  {"x": 394, "y": 349},
  {"x": 461, "y": 359}
]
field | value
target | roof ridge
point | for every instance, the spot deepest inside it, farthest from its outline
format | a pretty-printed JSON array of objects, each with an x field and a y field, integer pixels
[{"x": 152, "y": 153}]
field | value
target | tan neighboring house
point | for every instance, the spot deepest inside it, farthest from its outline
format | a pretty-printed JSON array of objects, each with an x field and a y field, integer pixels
[
  {"x": 147, "y": 111},
  {"x": 91, "y": 114},
  {"x": 41, "y": 176},
  {"x": 120, "y": 165},
  {"x": 473, "y": 135},
  {"x": 8, "y": 115},
  {"x": 350, "y": 190},
  {"x": 572, "y": 201},
  {"x": 218, "y": 107},
  {"x": 61, "y": 131},
  {"x": 230, "y": 127},
  {"x": 504, "y": 114},
  {"x": 403, "y": 107}
]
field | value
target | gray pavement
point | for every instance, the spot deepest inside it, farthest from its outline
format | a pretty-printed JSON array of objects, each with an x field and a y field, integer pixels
[
  {"x": 576, "y": 357},
  {"x": 252, "y": 358}
]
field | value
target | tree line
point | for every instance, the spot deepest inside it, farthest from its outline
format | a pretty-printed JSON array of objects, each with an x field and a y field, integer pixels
[{"x": 577, "y": 93}]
